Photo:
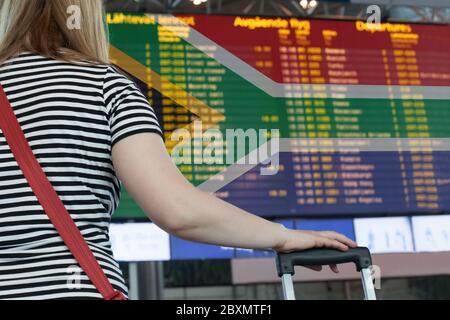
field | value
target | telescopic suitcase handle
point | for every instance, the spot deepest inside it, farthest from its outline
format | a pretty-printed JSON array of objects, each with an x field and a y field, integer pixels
[
  {"x": 286, "y": 262},
  {"x": 360, "y": 256}
]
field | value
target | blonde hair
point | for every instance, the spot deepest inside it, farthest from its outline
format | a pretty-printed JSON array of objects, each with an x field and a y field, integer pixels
[{"x": 41, "y": 26}]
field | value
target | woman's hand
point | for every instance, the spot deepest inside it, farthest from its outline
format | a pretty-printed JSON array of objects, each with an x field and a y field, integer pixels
[{"x": 298, "y": 240}]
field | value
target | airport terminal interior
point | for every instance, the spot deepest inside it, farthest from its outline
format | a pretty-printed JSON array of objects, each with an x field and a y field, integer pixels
[{"x": 323, "y": 73}]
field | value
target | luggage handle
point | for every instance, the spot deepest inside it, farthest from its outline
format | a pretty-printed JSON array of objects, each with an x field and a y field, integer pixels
[{"x": 286, "y": 262}]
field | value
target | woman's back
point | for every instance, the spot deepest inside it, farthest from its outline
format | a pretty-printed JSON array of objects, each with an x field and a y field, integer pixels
[{"x": 71, "y": 115}]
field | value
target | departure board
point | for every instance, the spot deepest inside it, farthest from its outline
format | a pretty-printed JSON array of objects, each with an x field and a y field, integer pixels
[{"x": 298, "y": 79}]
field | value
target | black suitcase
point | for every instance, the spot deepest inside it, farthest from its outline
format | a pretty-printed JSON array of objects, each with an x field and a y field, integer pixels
[{"x": 360, "y": 256}]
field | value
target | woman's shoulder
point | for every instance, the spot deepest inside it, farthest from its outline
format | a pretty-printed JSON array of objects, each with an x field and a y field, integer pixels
[
  {"x": 28, "y": 57},
  {"x": 32, "y": 61}
]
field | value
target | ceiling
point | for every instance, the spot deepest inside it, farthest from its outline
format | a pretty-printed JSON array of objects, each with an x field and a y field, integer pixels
[{"x": 429, "y": 11}]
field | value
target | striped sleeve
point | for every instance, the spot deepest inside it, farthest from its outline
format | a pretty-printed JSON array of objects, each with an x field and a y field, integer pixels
[{"x": 128, "y": 110}]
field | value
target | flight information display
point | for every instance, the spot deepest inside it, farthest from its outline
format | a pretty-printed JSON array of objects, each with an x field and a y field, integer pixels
[{"x": 209, "y": 77}]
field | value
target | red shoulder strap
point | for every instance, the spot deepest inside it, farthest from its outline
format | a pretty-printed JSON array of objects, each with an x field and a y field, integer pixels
[{"x": 49, "y": 200}]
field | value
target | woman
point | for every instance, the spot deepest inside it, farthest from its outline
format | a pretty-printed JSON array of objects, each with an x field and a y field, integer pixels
[{"x": 89, "y": 126}]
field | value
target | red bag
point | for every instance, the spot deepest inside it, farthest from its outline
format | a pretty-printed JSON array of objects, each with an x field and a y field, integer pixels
[{"x": 52, "y": 204}]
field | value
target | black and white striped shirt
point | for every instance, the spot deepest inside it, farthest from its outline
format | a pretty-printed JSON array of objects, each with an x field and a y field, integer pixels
[{"x": 71, "y": 115}]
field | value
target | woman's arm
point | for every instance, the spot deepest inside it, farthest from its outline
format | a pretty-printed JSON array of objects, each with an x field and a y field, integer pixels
[{"x": 144, "y": 166}]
